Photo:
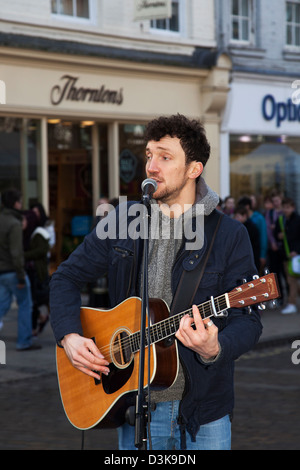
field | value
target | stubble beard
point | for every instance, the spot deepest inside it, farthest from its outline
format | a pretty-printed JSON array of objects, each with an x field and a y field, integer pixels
[{"x": 168, "y": 195}]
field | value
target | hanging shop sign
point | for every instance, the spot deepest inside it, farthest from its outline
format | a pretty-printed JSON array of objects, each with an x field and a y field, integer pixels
[
  {"x": 152, "y": 9},
  {"x": 70, "y": 89}
]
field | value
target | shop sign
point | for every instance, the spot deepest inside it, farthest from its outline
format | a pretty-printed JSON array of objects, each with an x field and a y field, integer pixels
[
  {"x": 280, "y": 111},
  {"x": 70, "y": 90},
  {"x": 152, "y": 9}
]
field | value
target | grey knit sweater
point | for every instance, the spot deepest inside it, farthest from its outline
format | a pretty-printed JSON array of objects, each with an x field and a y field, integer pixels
[{"x": 164, "y": 244}]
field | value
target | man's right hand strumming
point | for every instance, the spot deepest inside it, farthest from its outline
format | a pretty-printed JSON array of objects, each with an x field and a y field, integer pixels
[{"x": 84, "y": 355}]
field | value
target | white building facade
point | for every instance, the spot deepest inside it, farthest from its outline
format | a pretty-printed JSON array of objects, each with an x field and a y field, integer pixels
[
  {"x": 260, "y": 149},
  {"x": 82, "y": 79}
]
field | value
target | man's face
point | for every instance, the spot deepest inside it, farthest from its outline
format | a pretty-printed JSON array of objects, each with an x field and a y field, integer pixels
[{"x": 166, "y": 164}]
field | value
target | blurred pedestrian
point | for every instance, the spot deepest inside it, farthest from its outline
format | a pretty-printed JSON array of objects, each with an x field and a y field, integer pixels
[
  {"x": 273, "y": 209},
  {"x": 13, "y": 279},
  {"x": 37, "y": 267},
  {"x": 44, "y": 221},
  {"x": 290, "y": 229},
  {"x": 241, "y": 214},
  {"x": 229, "y": 206},
  {"x": 258, "y": 219}
]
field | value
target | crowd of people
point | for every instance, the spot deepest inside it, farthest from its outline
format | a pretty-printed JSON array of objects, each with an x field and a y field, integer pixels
[
  {"x": 26, "y": 238},
  {"x": 274, "y": 231}
]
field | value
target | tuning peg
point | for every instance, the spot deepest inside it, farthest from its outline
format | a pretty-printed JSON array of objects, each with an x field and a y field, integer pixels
[
  {"x": 266, "y": 271},
  {"x": 256, "y": 276},
  {"x": 261, "y": 307},
  {"x": 249, "y": 310}
]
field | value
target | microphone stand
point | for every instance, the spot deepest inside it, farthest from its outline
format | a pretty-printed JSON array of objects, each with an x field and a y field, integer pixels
[{"x": 142, "y": 413}]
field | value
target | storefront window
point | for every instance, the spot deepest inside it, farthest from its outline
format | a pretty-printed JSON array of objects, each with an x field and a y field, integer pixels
[
  {"x": 131, "y": 160},
  {"x": 20, "y": 157},
  {"x": 259, "y": 164},
  {"x": 70, "y": 183}
]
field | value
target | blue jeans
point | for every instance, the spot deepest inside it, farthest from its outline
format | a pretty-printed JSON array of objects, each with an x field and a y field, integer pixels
[
  {"x": 8, "y": 289},
  {"x": 165, "y": 432}
]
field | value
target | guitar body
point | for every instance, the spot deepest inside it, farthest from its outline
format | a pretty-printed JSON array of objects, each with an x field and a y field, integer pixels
[
  {"x": 116, "y": 332},
  {"x": 88, "y": 403}
]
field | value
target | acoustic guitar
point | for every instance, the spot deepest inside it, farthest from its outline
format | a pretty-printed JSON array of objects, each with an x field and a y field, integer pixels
[{"x": 88, "y": 402}]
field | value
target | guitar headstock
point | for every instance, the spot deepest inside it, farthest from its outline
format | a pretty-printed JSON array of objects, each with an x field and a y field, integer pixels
[{"x": 260, "y": 289}]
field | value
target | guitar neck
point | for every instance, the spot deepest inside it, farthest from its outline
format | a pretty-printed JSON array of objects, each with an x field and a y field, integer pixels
[{"x": 168, "y": 327}]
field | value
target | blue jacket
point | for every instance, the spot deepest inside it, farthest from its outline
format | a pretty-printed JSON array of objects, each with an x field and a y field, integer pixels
[{"x": 209, "y": 393}]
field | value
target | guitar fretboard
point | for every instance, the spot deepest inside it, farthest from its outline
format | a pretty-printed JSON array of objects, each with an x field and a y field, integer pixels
[{"x": 168, "y": 327}]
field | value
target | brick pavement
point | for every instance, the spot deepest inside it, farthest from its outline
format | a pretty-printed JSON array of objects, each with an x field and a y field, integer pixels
[{"x": 31, "y": 414}]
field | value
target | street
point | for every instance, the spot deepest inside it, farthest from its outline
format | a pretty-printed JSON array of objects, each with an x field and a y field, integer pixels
[{"x": 267, "y": 412}]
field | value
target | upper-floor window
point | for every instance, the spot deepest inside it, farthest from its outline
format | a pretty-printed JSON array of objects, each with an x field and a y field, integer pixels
[
  {"x": 293, "y": 23},
  {"x": 169, "y": 24},
  {"x": 241, "y": 13},
  {"x": 73, "y": 8}
]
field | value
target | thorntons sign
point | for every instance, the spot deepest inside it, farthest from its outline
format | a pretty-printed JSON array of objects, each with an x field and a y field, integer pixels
[{"x": 69, "y": 90}]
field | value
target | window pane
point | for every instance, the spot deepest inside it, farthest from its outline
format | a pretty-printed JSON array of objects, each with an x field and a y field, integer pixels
[
  {"x": 289, "y": 36},
  {"x": 245, "y": 30},
  {"x": 174, "y": 20},
  {"x": 289, "y": 12},
  {"x": 161, "y": 24},
  {"x": 10, "y": 159},
  {"x": 132, "y": 159},
  {"x": 263, "y": 164},
  {"x": 297, "y": 15},
  {"x": 66, "y": 7},
  {"x": 235, "y": 7},
  {"x": 20, "y": 157},
  {"x": 235, "y": 29},
  {"x": 54, "y": 6},
  {"x": 82, "y": 9},
  {"x": 245, "y": 8},
  {"x": 297, "y": 36}
]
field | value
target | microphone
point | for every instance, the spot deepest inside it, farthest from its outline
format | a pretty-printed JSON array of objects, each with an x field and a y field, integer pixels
[{"x": 149, "y": 186}]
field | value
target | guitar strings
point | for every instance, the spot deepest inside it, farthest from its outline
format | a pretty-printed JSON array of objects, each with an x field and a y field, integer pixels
[
  {"x": 126, "y": 342},
  {"x": 205, "y": 307}
]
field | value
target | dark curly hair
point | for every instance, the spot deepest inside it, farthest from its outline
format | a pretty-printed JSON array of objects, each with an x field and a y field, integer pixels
[{"x": 191, "y": 134}]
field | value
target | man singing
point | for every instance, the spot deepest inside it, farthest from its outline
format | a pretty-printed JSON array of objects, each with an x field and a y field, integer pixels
[{"x": 195, "y": 412}]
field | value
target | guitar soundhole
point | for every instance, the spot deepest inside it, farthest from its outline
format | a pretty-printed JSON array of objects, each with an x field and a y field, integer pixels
[{"x": 121, "y": 352}]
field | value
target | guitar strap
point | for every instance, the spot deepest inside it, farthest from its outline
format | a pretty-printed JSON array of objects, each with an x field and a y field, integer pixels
[{"x": 190, "y": 280}]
